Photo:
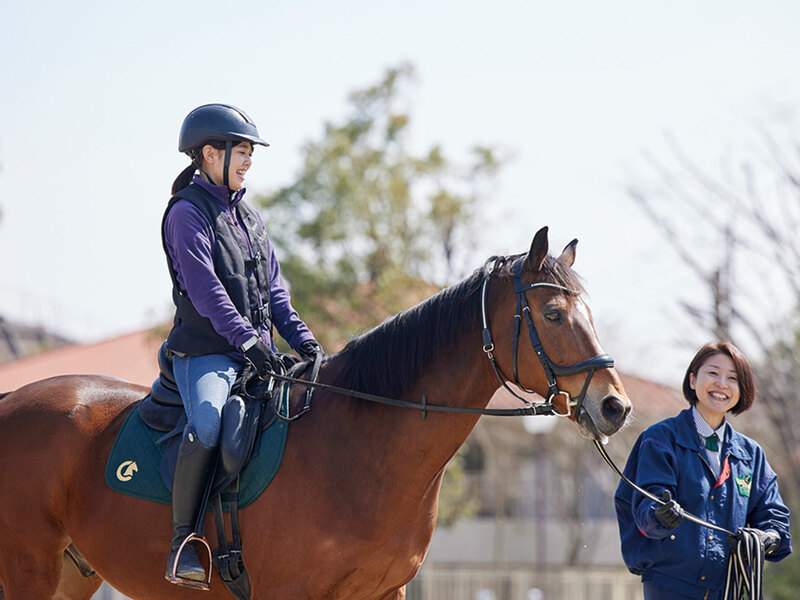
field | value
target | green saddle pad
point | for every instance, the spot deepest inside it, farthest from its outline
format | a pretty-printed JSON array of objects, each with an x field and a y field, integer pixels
[{"x": 133, "y": 465}]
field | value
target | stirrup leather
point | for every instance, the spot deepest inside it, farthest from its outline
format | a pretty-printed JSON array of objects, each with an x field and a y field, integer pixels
[{"x": 191, "y": 583}]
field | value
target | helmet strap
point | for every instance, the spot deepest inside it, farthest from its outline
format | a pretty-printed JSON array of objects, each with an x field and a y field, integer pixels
[
  {"x": 228, "y": 148},
  {"x": 208, "y": 176}
]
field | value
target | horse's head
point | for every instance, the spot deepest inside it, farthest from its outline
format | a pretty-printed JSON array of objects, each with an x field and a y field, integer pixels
[{"x": 549, "y": 342}]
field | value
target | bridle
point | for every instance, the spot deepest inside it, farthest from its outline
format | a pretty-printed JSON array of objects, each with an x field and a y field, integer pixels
[{"x": 551, "y": 370}]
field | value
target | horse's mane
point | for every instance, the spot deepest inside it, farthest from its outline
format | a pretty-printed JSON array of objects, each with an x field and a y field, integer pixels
[{"x": 386, "y": 360}]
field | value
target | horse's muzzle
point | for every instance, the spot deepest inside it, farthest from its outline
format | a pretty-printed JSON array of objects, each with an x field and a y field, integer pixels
[{"x": 615, "y": 411}]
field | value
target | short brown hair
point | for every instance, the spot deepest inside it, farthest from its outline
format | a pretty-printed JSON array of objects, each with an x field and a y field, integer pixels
[{"x": 747, "y": 384}]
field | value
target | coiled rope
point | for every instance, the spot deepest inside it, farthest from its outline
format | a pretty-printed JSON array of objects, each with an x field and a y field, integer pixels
[{"x": 745, "y": 567}]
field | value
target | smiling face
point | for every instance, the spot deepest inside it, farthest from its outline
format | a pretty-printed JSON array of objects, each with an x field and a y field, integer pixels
[
  {"x": 241, "y": 161},
  {"x": 716, "y": 385}
]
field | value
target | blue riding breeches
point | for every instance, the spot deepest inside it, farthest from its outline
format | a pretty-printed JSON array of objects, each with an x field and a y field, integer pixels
[{"x": 205, "y": 383}]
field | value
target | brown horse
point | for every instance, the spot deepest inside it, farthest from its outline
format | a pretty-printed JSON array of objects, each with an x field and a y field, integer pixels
[{"x": 351, "y": 512}]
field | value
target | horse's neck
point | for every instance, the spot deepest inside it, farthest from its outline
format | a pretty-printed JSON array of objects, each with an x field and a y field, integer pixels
[
  {"x": 466, "y": 382},
  {"x": 398, "y": 440}
]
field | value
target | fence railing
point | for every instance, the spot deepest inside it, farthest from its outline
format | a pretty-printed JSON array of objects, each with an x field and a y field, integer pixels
[{"x": 437, "y": 582}]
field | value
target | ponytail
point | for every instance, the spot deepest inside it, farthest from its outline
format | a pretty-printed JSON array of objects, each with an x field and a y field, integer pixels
[{"x": 184, "y": 178}]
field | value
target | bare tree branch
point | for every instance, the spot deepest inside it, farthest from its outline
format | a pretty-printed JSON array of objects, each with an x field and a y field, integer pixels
[{"x": 740, "y": 236}]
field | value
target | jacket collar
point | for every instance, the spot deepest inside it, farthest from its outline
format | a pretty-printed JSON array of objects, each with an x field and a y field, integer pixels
[
  {"x": 220, "y": 193},
  {"x": 686, "y": 435}
]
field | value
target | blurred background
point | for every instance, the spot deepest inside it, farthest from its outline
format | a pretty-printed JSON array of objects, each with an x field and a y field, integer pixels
[{"x": 409, "y": 144}]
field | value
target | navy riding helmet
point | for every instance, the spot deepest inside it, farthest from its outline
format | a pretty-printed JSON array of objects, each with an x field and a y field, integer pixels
[{"x": 217, "y": 122}]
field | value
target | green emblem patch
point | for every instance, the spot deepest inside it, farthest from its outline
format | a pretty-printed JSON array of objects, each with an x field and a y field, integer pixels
[{"x": 744, "y": 483}]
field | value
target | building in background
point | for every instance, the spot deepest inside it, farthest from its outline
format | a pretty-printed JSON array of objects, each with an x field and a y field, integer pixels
[{"x": 18, "y": 341}]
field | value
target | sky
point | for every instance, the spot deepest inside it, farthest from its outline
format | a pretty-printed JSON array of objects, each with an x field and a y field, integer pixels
[{"x": 575, "y": 92}]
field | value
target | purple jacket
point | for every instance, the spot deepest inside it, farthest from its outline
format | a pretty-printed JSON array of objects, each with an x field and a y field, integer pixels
[{"x": 189, "y": 239}]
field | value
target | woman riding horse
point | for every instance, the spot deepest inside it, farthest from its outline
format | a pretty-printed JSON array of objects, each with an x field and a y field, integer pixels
[{"x": 228, "y": 292}]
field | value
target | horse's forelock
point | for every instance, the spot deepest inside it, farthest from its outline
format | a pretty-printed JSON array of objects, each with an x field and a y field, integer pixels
[
  {"x": 562, "y": 274},
  {"x": 552, "y": 271}
]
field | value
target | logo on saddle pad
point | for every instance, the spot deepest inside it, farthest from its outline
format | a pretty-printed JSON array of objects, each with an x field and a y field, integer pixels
[{"x": 126, "y": 470}]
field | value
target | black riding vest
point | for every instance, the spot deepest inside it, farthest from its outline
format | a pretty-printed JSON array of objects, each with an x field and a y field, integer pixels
[{"x": 243, "y": 275}]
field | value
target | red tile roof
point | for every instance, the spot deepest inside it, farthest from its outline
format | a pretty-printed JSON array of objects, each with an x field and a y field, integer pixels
[
  {"x": 653, "y": 401},
  {"x": 131, "y": 357}
]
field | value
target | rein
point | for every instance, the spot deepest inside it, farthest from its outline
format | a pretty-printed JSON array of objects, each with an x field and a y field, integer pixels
[
  {"x": 542, "y": 408},
  {"x": 746, "y": 560},
  {"x": 573, "y": 405},
  {"x": 687, "y": 515}
]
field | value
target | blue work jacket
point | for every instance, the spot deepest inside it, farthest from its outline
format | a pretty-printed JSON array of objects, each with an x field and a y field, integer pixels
[{"x": 692, "y": 559}]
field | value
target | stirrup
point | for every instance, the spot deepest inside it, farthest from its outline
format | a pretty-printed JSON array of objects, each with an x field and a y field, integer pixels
[{"x": 191, "y": 583}]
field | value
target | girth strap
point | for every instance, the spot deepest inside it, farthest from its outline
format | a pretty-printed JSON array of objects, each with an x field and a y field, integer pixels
[{"x": 227, "y": 557}]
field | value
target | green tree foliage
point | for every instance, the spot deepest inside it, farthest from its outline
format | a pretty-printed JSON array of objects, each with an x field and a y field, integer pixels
[{"x": 368, "y": 227}]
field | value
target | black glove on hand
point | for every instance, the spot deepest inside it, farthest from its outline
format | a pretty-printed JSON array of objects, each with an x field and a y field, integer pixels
[
  {"x": 262, "y": 358},
  {"x": 770, "y": 539},
  {"x": 670, "y": 514},
  {"x": 309, "y": 350}
]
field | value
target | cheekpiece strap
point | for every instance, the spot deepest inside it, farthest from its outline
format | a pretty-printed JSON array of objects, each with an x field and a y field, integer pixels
[{"x": 524, "y": 307}]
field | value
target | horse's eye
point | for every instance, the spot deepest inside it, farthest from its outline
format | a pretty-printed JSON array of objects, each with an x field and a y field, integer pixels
[{"x": 554, "y": 316}]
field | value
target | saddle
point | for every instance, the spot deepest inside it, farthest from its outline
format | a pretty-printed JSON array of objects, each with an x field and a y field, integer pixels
[
  {"x": 244, "y": 416},
  {"x": 250, "y": 410}
]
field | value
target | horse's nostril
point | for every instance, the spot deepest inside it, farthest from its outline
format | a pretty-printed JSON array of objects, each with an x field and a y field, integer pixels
[{"x": 614, "y": 410}]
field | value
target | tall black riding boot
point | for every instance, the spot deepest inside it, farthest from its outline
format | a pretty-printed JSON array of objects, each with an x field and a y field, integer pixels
[{"x": 192, "y": 471}]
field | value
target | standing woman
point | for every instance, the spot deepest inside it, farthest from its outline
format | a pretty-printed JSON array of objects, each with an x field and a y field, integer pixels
[
  {"x": 696, "y": 461},
  {"x": 228, "y": 292}
]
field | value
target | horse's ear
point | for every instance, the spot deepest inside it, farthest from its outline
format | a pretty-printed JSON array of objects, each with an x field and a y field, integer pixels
[
  {"x": 538, "y": 251},
  {"x": 568, "y": 254}
]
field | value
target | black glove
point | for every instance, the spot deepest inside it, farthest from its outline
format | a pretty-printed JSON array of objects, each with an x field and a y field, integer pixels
[
  {"x": 770, "y": 539},
  {"x": 670, "y": 514},
  {"x": 309, "y": 350},
  {"x": 262, "y": 358}
]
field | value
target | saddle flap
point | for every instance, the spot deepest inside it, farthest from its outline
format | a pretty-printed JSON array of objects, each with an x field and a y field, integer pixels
[{"x": 240, "y": 426}]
